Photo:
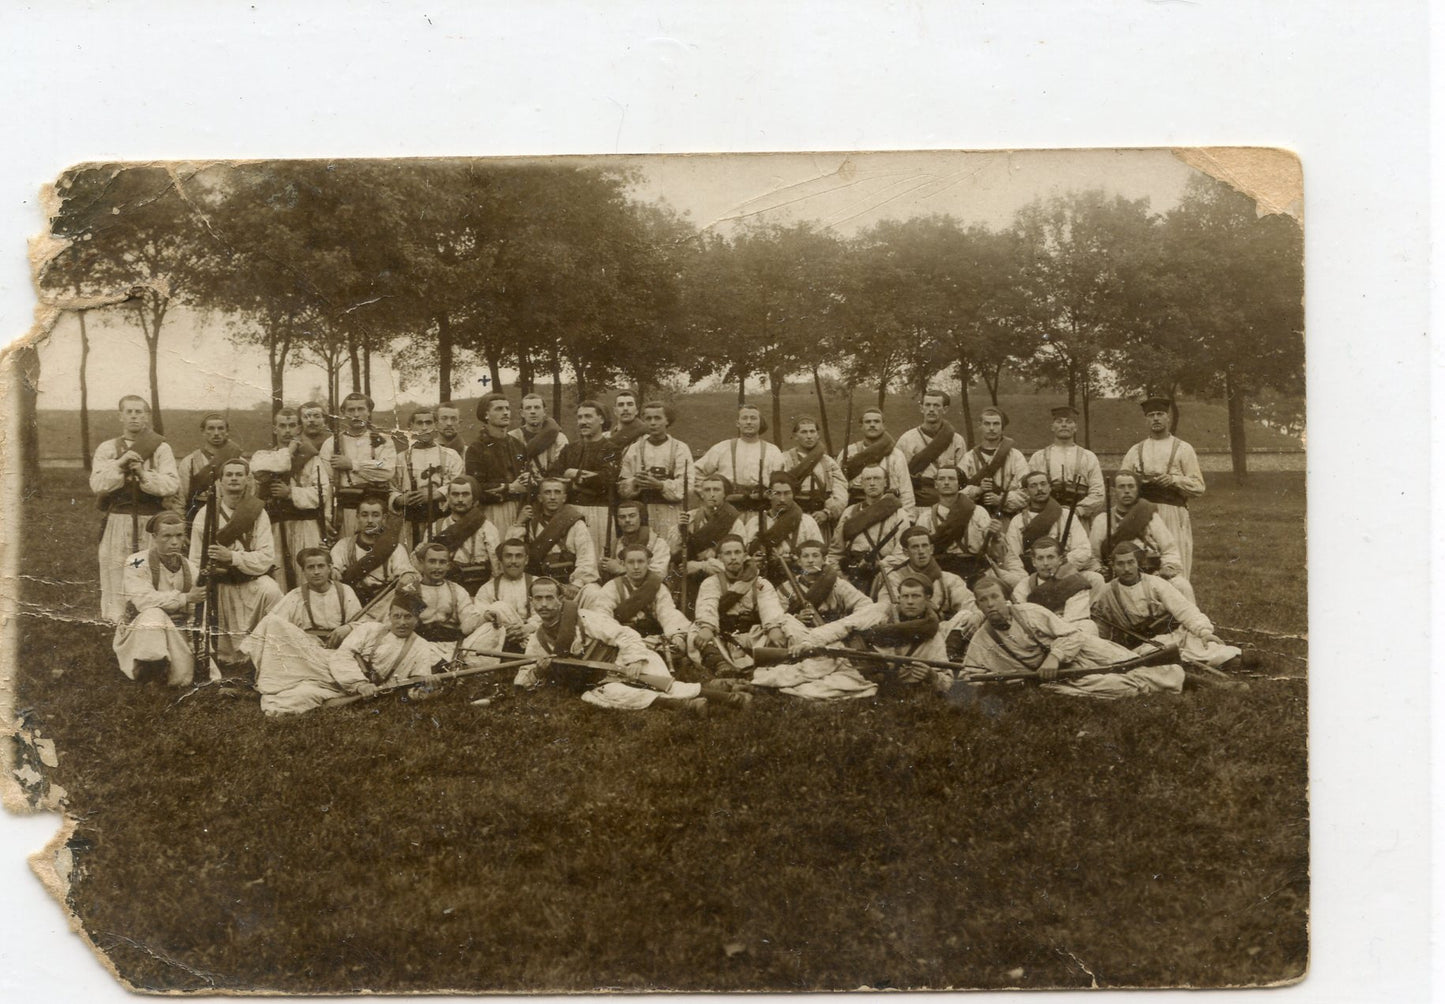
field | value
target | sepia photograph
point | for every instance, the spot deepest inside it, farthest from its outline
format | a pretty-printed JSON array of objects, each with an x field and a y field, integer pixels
[{"x": 714, "y": 572}]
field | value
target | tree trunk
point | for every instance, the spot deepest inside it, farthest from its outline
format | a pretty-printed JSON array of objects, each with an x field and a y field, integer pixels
[
  {"x": 26, "y": 362},
  {"x": 967, "y": 407},
  {"x": 526, "y": 379},
  {"x": 1087, "y": 396},
  {"x": 992, "y": 384},
  {"x": 776, "y": 381},
  {"x": 366, "y": 370},
  {"x": 882, "y": 389},
  {"x": 1235, "y": 397},
  {"x": 152, "y": 350},
  {"x": 822, "y": 412},
  {"x": 1174, "y": 408},
  {"x": 495, "y": 371},
  {"x": 273, "y": 369},
  {"x": 556, "y": 388},
  {"x": 742, "y": 389},
  {"x": 85, "y": 456},
  {"x": 444, "y": 355},
  {"x": 355, "y": 357}
]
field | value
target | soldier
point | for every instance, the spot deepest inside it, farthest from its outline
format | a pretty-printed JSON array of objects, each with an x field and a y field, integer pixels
[
  {"x": 589, "y": 466},
  {"x": 448, "y": 614},
  {"x": 505, "y": 600},
  {"x": 633, "y": 532},
  {"x": 822, "y": 491},
  {"x": 826, "y": 596},
  {"x": 558, "y": 542},
  {"x": 627, "y": 428},
  {"x": 197, "y": 468},
  {"x": 1169, "y": 475},
  {"x": 423, "y": 471},
  {"x": 240, "y": 556},
  {"x": 655, "y": 468},
  {"x": 1057, "y": 586},
  {"x": 1136, "y": 521},
  {"x": 361, "y": 458},
  {"x": 371, "y": 558},
  {"x": 295, "y": 485},
  {"x": 736, "y": 609},
  {"x": 541, "y": 437},
  {"x": 1043, "y": 516},
  {"x": 948, "y": 595},
  {"x": 867, "y": 539},
  {"x": 784, "y": 525},
  {"x": 1073, "y": 471},
  {"x": 498, "y": 462},
  {"x": 699, "y": 531},
  {"x": 132, "y": 476},
  {"x": 1028, "y": 638},
  {"x": 958, "y": 525},
  {"x": 467, "y": 534},
  {"x": 993, "y": 471},
  {"x": 877, "y": 449},
  {"x": 313, "y": 424},
  {"x": 449, "y": 428},
  {"x": 746, "y": 461},
  {"x": 930, "y": 445},
  {"x": 638, "y": 599},
  {"x": 320, "y": 608},
  {"x": 160, "y": 585}
]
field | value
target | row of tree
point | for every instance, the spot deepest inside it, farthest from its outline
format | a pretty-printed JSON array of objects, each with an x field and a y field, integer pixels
[{"x": 554, "y": 272}]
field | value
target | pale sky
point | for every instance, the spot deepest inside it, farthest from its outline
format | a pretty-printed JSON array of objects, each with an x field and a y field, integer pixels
[{"x": 199, "y": 368}]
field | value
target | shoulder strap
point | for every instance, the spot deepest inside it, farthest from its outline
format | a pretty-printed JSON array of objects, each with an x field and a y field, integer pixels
[{"x": 932, "y": 450}]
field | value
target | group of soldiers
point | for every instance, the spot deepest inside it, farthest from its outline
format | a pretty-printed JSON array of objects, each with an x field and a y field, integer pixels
[{"x": 339, "y": 562}]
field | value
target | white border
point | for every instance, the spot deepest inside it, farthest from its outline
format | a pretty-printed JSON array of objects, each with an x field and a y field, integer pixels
[{"x": 1343, "y": 83}]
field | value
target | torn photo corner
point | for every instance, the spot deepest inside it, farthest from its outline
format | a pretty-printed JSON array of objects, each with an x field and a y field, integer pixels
[{"x": 711, "y": 572}]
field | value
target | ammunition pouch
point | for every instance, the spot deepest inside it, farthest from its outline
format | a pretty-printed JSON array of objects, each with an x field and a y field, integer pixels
[
  {"x": 470, "y": 577},
  {"x": 439, "y": 632}
]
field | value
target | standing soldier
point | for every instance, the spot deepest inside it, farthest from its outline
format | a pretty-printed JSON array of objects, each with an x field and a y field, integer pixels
[
  {"x": 372, "y": 558},
  {"x": 541, "y": 437},
  {"x": 822, "y": 490},
  {"x": 589, "y": 465},
  {"x": 627, "y": 428},
  {"x": 1134, "y": 520},
  {"x": 294, "y": 485},
  {"x": 930, "y": 445},
  {"x": 132, "y": 476},
  {"x": 655, "y": 468},
  {"x": 746, "y": 461},
  {"x": 361, "y": 458},
  {"x": 701, "y": 529},
  {"x": 1169, "y": 475},
  {"x": 423, "y": 471},
  {"x": 313, "y": 424},
  {"x": 994, "y": 466},
  {"x": 877, "y": 449},
  {"x": 784, "y": 525},
  {"x": 1043, "y": 516},
  {"x": 196, "y": 469},
  {"x": 449, "y": 428},
  {"x": 1073, "y": 471},
  {"x": 959, "y": 527},
  {"x": 498, "y": 462},
  {"x": 633, "y": 532},
  {"x": 467, "y": 535},
  {"x": 558, "y": 542}
]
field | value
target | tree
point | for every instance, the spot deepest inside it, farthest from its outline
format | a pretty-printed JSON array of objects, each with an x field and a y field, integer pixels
[{"x": 85, "y": 454}]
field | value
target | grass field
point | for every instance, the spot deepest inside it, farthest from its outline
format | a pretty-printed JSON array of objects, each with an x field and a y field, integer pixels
[
  {"x": 537, "y": 843},
  {"x": 705, "y": 417}
]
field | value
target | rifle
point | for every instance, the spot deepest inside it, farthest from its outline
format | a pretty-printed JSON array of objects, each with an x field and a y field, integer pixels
[
  {"x": 988, "y": 538},
  {"x": 572, "y": 662},
  {"x": 686, "y": 534},
  {"x": 847, "y": 433},
  {"x": 1106, "y": 564},
  {"x": 210, "y": 616},
  {"x": 1164, "y": 655},
  {"x": 341, "y": 702},
  {"x": 807, "y": 607},
  {"x": 766, "y": 656},
  {"x": 322, "y": 529},
  {"x": 1069, "y": 520}
]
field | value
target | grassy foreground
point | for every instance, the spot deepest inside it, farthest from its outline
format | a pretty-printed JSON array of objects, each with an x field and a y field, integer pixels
[{"x": 540, "y": 844}]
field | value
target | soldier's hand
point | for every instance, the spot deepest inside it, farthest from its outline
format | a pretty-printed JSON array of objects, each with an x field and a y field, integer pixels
[
  {"x": 1049, "y": 669},
  {"x": 973, "y": 491},
  {"x": 684, "y": 518},
  {"x": 516, "y": 634},
  {"x": 196, "y": 595},
  {"x": 336, "y": 637},
  {"x": 913, "y": 672},
  {"x": 991, "y": 498},
  {"x": 678, "y": 642},
  {"x": 713, "y": 565},
  {"x": 129, "y": 460},
  {"x": 217, "y": 552},
  {"x": 810, "y": 617},
  {"x": 777, "y": 639},
  {"x": 341, "y": 462},
  {"x": 995, "y": 526},
  {"x": 524, "y": 514},
  {"x": 366, "y": 688},
  {"x": 520, "y": 486},
  {"x": 705, "y": 635},
  {"x": 612, "y": 566},
  {"x": 280, "y": 490}
]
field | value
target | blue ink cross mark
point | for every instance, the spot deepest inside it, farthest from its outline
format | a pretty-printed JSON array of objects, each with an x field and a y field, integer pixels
[
  {"x": 484, "y": 380},
  {"x": 136, "y": 562}
]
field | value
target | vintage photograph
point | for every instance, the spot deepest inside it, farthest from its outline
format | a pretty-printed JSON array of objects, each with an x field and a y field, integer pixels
[{"x": 737, "y": 572}]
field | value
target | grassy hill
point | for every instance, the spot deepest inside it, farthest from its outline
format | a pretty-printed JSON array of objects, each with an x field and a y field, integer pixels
[{"x": 704, "y": 417}]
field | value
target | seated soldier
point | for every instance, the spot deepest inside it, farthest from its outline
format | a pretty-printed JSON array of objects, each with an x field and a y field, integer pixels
[
  {"x": 467, "y": 534},
  {"x": 1042, "y": 516},
  {"x": 317, "y": 614},
  {"x": 158, "y": 586},
  {"x": 241, "y": 555},
  {"x": 948, "y": 596},
  {"x": 372, "y": 558},
  {"x": 1133, "y": 520},
  {"x": 631, "y": 676},
  {"x": 559, "y": 543},
  {"x": 1058, "y": 587},
  {"x": 783, "y": 524},
  {"x": 1136, "y": 607},
  {"x": 827, "y": 598},
  {"x": 736, "y": 609},
  {"x": 959, "y": 526},
  {"x": 632, "y": 531},
  {"x": 702, "y": 528},
  {"x": 638, "y": 599},
  {"x": 373, "y": 654},
  {"x": 1024, "y": 637},
  {"x": 448, "y": 613},
  {"x": 505, "y": 600},
  {"x": 867, "y": 538}
]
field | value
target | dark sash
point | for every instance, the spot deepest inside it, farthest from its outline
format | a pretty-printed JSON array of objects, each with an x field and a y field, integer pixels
[
  {"x": 626, "y": 437},
  {"x": 559, "y": 640},
  {"x": 229, "y": 450},
  {"x": 732, "y": 597},
  {"x": 642, "y": 538},
  {"x": 495, "y": 461},
  {"x": 1111, "y": 614},
  {"x": 243, "y": 518},
  {"x": 953, "y": 526},
  {"x": 706, "y": 536},
  {"x": 911, "y": 633},
  {"x": 119, "y": 501},
  {"x": 862, "y": 519},
  {"x": 1134, "y": 525},
  {"x": 995, "y": 463},
  {"x": 554, "y": 532},
  {"x": 284, "y": 510},
  {"x": 541, "y": 441},
  {"x": 1041, "y": 525},
  {"x": 1053, "y": 594},
  {"x": 868, "y": 456},
  {"x": 131, "y": 613},
  {"x": 379, "y": 554},
  {"x": 821, "y": 591},
  {"x": 801, "y": 471},
  {"x": 461, "y": 530},
  {"x": 783, "y": 528},
  {"x": 933, "y": 450},
  {"x": 639, "y": 600}
]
